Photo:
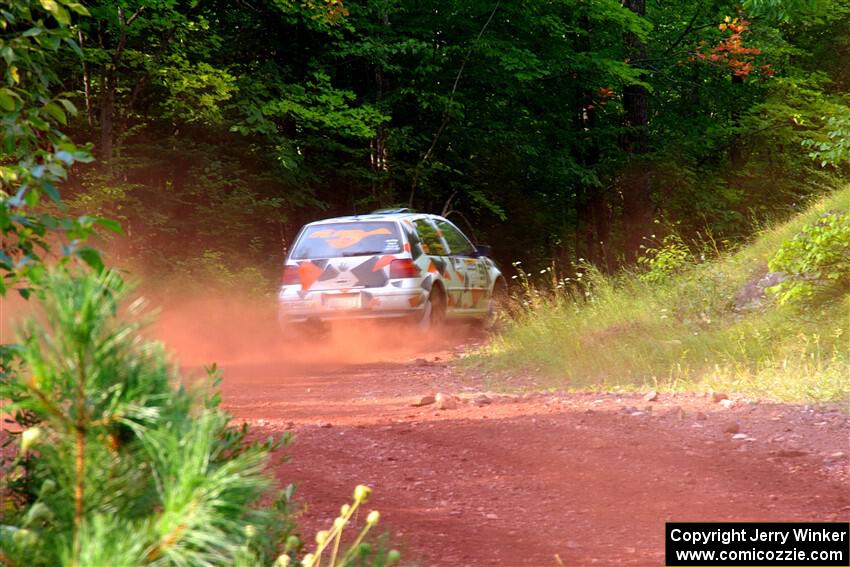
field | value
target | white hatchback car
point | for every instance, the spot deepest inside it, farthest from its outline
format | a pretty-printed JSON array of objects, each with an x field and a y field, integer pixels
[{"x": 391, "y": 264}]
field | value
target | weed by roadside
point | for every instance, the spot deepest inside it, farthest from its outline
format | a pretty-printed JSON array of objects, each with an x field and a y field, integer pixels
[{"x": 680, "y": 325}]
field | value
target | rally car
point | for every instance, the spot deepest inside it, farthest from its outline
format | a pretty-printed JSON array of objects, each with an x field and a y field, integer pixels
[{"x": 391, "y": 264}]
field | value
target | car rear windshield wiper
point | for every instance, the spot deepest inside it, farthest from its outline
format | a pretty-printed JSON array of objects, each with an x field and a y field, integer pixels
[{"x": 366, "y": 253}]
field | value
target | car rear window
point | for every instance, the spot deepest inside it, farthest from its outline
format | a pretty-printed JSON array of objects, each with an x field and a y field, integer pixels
[
  {"x": 431, "y": 243},
  {"x": 333, "y": 240},
  {"x": 458, "y": 243}
]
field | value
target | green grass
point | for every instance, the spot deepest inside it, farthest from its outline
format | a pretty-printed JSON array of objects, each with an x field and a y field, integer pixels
[{"x": 683, "y": 333}]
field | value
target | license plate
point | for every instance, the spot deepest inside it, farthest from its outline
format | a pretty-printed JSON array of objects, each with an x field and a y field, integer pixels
[{"x": 343, "y": 301}]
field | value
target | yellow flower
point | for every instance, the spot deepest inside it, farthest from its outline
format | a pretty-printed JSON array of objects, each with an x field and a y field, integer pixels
[
  {"x": 373, "y": 517},
  {"x": 362, "y": 493}
]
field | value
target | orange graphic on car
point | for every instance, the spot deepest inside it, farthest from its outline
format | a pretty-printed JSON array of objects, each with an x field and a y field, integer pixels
[{"x": 346, "y": 238}]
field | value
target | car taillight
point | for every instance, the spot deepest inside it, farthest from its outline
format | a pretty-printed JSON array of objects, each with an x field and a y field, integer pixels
[
  {"x": 404, "y": 268},
  {"x": 290, "y": 275}
]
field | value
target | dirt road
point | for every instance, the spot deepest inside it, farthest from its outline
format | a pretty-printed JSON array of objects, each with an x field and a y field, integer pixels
[{"x": 590, "y": 478}]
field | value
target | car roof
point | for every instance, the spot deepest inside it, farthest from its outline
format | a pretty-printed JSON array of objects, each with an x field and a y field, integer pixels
[{"x": 371, "y": 217}]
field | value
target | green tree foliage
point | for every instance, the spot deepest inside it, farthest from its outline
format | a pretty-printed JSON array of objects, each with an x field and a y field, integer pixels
[
  {"x": 36, "y": 154},
  {"x": 816, "y": 262},
  {"x": 245, "y": 119},
  {"x": 834, "y": 147}
]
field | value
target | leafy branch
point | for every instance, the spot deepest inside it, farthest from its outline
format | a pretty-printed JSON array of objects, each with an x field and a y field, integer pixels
[{"x": 446, "y": 116}]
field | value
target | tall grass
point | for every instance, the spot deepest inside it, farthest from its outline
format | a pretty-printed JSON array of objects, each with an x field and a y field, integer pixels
[{"x": 682, "y": 332}]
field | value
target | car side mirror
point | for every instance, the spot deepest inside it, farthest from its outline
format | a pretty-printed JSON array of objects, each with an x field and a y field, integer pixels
[{"x": 484, "y": 250}]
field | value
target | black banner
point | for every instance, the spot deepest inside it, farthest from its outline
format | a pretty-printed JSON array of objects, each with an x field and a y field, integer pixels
[{"x": 768, "y": 544}]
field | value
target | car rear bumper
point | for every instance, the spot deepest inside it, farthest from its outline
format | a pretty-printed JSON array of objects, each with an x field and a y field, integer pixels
[{"x": 374, "y": 303}]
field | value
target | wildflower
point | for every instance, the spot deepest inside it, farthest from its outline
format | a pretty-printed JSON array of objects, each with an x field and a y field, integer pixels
[
  {"x": 373, "y": 518},
  {"x": 322, "y": 536},
  {"x": 362, "y": 493},
  {"x": 24, "y": 537},
  {"x": 29, "y": 437},
  {"x": 292, "y": 542}
]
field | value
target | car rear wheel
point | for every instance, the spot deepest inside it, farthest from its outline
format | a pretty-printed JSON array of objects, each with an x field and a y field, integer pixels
[
  {"x": 496, "y": 311},
  {"x": 434, "y": 311},
  {"x": 299, "y": 332}
]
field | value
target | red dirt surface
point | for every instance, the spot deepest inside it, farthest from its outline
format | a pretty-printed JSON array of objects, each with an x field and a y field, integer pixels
[
  {"x": 536, "y": 479},
  {"x": 587, "y": 479}
]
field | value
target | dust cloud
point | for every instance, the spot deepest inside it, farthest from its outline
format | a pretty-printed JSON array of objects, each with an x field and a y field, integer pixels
[
  {"x": 239, "y": 332},
  {"x": 242, "y": 336},
  {"x": 13, "y": 311}
]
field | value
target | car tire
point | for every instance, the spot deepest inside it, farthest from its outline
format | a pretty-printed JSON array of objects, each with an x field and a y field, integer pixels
[
  {"x": 496, "y": 311},
  {"x": 433, "y": 312},
  {"x": 288, "y": 332},
  {"x": 296, "y": 333}
]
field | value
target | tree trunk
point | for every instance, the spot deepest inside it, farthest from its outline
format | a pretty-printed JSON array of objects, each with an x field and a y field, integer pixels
[
  {"x": 108, "y": 88},
  {"x": 86, "y": 83},
  {"x": 107, "y": 112},
  {"x": 592, "y": 207},
  {"x": 736, "y": 152},
  {"x": 601, "y": 213},
  {"x": 381, "y": 182},
  {"x": 636, "y": 180}
]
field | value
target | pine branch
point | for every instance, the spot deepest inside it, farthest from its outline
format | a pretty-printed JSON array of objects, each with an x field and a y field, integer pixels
[{"x": 80, "y": 457}]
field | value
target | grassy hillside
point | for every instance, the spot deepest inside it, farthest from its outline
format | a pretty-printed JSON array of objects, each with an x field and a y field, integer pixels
[{"x": 685, "y": 331}]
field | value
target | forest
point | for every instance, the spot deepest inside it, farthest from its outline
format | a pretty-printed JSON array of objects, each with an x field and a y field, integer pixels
[
  {"x": 664, "y": 183},
  {"x": 554, "y": 131}
]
